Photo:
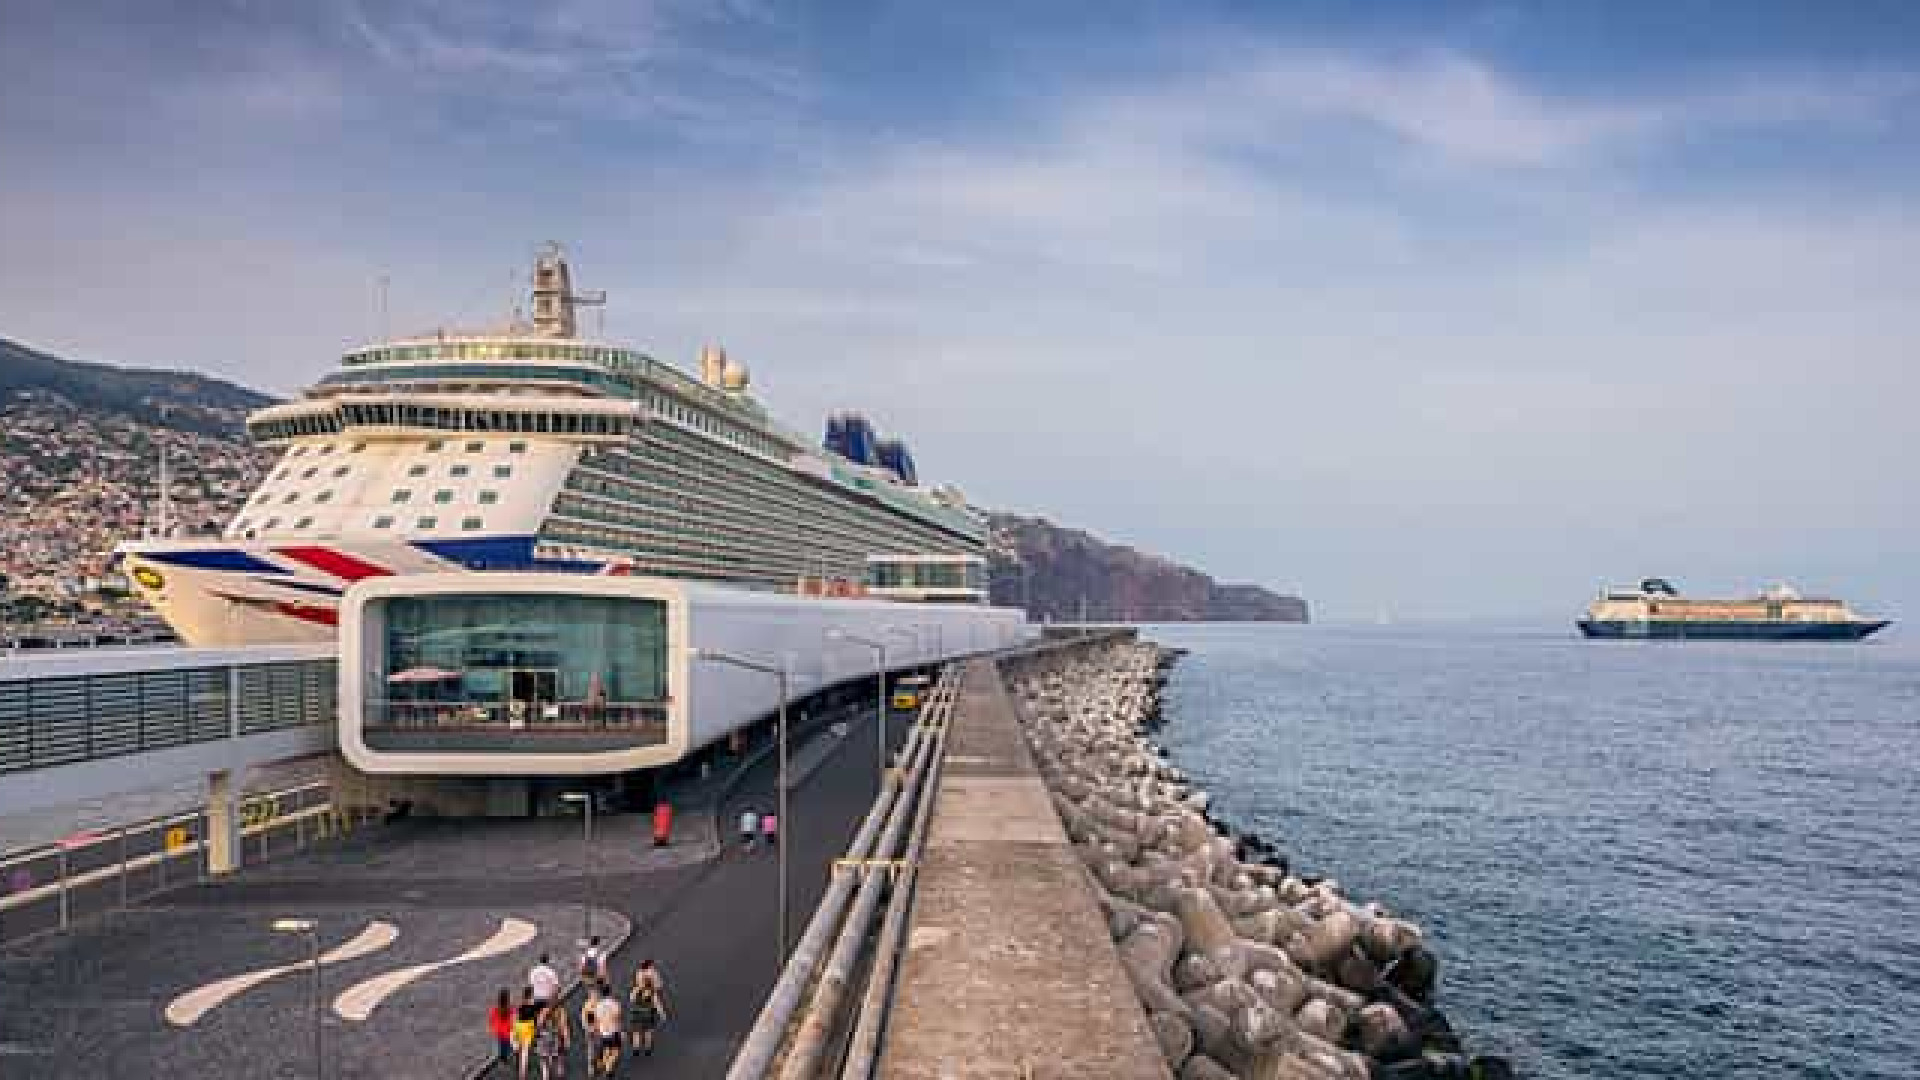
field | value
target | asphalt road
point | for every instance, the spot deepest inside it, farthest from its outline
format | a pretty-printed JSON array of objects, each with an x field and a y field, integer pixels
[
  {"x": 715, "y": 938},
  {"x": 88, "y": 1003}
]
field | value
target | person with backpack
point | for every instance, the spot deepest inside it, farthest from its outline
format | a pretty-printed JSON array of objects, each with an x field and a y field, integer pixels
[
  {"x": 593, "y": 962},
  {"x": 550, "y": 1039},
  {"x": 649, "y": 1005}
]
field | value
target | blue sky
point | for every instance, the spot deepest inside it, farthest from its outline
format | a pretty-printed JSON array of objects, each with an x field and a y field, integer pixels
[{"x": 1434, "y": 309}]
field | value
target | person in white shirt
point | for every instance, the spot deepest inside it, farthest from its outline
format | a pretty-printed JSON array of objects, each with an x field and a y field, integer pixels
[
  {"x": 606, "y": 1025},
  {"x": 544, "y": 980},
  {"x": 749, "y": 827}
]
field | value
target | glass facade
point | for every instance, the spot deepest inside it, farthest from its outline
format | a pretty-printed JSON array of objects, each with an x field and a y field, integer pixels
[
  {"x": 522, "y": 660},
  {"x": 927, "y": 575}
]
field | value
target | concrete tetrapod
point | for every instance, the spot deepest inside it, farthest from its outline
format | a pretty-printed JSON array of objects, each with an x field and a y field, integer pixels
[{"x": 1244, "y": 969}]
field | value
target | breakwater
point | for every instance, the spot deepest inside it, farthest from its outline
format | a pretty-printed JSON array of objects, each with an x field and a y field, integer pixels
[{"x": 1244, "y": 969}]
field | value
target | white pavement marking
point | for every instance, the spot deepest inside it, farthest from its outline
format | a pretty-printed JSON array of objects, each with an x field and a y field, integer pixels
[
  {"x": 358, "y": 1001},
  {"x": 189, "y": 1007}
]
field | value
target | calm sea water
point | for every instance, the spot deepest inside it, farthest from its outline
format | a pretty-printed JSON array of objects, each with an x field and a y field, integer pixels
[{"x": 1635, "y": 859}]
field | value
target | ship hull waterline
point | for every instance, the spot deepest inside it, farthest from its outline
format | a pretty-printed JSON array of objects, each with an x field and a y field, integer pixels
[{"x": 1729, "y": 630}]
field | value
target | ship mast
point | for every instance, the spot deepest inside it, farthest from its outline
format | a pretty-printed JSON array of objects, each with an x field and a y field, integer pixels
[{"x": 554, "y": 301}]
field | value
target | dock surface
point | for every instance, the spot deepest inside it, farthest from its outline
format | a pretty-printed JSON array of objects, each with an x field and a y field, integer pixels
[{"x": 1009, "y": 971}]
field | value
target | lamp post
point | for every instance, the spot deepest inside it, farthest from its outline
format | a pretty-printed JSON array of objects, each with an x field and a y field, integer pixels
[
  {"x": 785, "y": 840},
  {"x": 585, "y": 799},
  {"x": 879, "y": 701},
  {"x": 311, "y": 928}
]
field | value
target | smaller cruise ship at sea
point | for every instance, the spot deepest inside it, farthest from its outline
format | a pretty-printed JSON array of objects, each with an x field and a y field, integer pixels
[{"x": 1656, "y": 609}]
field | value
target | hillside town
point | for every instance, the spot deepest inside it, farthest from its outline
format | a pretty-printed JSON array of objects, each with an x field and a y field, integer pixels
[{"x": 76, "y": 481}]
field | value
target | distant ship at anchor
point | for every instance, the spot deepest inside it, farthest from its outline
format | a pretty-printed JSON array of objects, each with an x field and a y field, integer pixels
[{"x": 1657, "y": 610}]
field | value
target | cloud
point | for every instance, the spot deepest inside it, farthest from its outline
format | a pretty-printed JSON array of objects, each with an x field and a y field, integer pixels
[{"x": 1345, "y": 319}]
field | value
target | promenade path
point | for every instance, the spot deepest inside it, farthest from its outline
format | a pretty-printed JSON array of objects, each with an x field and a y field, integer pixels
[{"x": 91, "y": 1003}]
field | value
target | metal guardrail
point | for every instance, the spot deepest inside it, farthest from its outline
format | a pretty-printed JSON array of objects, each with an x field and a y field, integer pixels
[
  {"x": 63, "y": 719},
  {"x": 819, "y": 973},
  {"x": 54, "y": 886}
]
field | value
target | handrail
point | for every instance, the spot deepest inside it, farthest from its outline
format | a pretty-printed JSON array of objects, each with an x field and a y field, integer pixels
[
  {"x": 769, "y": 1034},
  {"x": 863, "y": 1050}
]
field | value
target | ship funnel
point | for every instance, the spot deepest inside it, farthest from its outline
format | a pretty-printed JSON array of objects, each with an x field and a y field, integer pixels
[{"x": 713, "y": 365}]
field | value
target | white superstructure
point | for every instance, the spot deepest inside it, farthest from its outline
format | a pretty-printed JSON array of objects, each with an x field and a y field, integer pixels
[
  {"x": 536, "y": 450},
  {"x": 518, "y": 674}
]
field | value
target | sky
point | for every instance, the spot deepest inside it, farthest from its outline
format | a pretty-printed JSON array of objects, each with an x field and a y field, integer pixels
[{"x": 1426, "y": 310}]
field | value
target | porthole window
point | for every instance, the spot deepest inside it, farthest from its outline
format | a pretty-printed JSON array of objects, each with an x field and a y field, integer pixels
[
  {"x": 356, "y": 448},
  {"x": 292, "y": 496},
  {"x": 325, "y": 496},
  {"x": 426, "y": 523},
  {"x": 436, "y": 446},
  {"x": 458, "y": 470},
  {"x": 401, "y": 495},
  {"x": 475, "y": 447},
  {"x": 307, "y": 473},
  {"x": 488, "y": 498},
  {"x": 303, "y": 523},
  {"x": 502, "y": 471},
  {"x": 240, "y": 526},
  {"x": 417, "y": 470},
  {"x": 384, "y": 521},
  {"x": 298, "y": 451},
  {"x": 283, "y": 474},
  {"x": 516, "y": 448},
  {"x": 272, "y": 524},
  {"x": 443, "y": 496},
  {"x": 326, "y": 448},
  {"x": 470, "y": 524},
  {"x": 341, "y": 471}
]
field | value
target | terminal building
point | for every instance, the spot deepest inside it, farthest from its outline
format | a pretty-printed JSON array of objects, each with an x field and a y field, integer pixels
[{"x": 513, "y": 677}]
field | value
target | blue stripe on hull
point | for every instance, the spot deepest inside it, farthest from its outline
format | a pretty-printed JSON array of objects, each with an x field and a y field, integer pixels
[{"x": 1674, "y": 630}]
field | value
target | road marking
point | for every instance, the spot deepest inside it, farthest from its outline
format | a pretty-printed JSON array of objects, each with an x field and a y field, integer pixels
[
  {"x": 188, "y": 1008},
  {"x": 358, "y": 1001}
]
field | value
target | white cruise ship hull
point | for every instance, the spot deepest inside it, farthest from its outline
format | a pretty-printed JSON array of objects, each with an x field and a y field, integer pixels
[{"x": 218, "y": 593}]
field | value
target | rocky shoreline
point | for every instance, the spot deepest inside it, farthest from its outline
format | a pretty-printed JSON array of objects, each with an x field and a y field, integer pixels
[{"x": 1245, "y": 970}]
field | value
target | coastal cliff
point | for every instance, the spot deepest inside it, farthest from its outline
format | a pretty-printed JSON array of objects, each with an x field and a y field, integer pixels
[{"x": 1057, "y": 573}]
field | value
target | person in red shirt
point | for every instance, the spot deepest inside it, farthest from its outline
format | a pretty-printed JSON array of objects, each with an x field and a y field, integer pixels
[{"x": 500, "y": 1026}]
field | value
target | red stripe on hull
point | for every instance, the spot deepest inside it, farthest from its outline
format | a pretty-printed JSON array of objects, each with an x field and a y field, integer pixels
[
  {"x": 328, "y": 561},
  {"x": 312, "y": 613}
]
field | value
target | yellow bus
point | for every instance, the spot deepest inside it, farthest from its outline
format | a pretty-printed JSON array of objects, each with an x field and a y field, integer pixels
[{"x": 908, "y": 690}]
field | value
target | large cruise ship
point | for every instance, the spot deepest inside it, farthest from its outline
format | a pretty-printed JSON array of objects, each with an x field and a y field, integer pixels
[
  {"x": 1657, "y": 610},
  {"x": 535, "y": 449}
]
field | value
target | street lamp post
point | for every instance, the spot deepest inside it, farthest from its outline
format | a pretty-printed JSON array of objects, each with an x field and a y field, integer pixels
[
  {"x": 785, "y": 839},
  {"x": 311, "y": 928},
  {"x": 585, "y": 799},
  {"x": 879, "y": 701}
]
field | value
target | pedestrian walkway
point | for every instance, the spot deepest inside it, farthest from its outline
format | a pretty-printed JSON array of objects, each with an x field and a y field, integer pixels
[{"x": 94, "y": 1002}]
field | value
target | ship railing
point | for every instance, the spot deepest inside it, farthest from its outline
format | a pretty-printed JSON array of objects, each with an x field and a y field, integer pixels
[{"x": 530, "y": 717}]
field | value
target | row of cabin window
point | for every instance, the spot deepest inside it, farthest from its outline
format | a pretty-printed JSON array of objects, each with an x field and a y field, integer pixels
[
  {"x": 444, "y": 495},
  {"x": 384, "y": 521},
  {"x": 500, "y": 472},
  {"x": 558, "y": 423},
  {"x": 517, "y": 446}
]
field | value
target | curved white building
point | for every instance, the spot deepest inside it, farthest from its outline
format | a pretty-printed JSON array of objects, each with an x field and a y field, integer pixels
[{"x": 542, "y": 674}]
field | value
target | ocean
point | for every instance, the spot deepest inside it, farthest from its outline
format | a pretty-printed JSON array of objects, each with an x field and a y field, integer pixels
[{"x": 1634, "y": 859}]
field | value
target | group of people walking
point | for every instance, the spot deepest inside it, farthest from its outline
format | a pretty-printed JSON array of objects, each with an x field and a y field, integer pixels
[
  {"x": 537, "y": 1032},
  {"x": 755, "y": 825}
]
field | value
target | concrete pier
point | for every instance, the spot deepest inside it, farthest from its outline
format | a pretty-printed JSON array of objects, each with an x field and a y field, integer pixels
[{"x": 1009, "y": 970}]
